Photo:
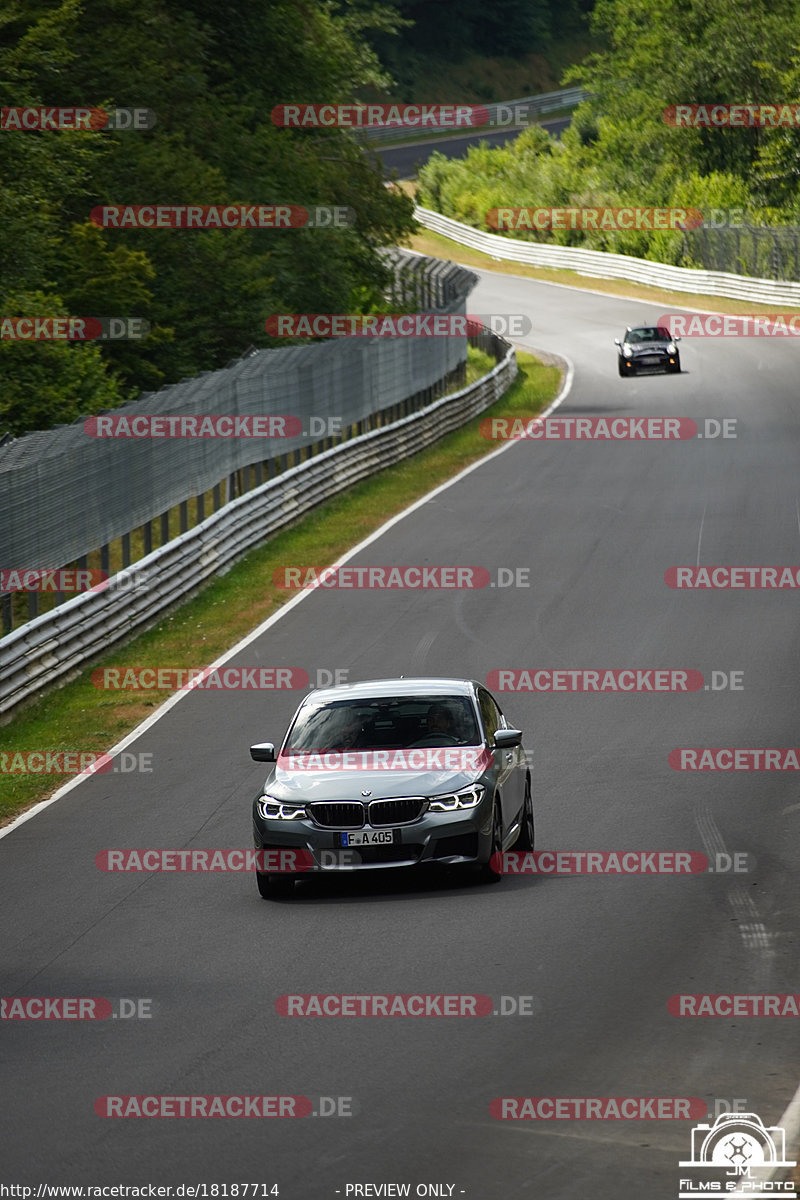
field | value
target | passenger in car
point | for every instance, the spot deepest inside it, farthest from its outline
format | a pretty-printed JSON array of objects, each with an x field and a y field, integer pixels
[{"x": 350, "y": 736}]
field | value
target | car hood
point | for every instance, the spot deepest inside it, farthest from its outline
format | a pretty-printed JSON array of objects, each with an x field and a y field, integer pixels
[
  {"x": 647, "y": 347},
  {"x": 308, "y": 785}
]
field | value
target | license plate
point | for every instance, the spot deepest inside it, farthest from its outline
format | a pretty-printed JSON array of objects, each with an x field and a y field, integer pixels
[
  {"x": 370, "y": 837},
  {"x": 650, "y": 359}
]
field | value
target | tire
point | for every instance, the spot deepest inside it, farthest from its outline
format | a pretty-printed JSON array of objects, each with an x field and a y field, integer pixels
[
  {"x": 527, "y": 834},
  {"x": 274, "y": 887},
  {"x": 487, "y": 873},
  {"x": 676, "y": 370},
  {"x": 622, "y": 371}
]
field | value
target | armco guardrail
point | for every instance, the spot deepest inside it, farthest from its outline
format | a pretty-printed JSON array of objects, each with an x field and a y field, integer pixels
[
  {"x": 59, "y": 642},
  {"x": 758, "y": 251},
  {"x": 65, "y": 494},
  {"x": 605, "y": 265},
  {"x": 545, "y": 102}
]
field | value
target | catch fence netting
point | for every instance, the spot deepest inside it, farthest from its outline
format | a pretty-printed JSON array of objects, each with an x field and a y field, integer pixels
[{"x": 64, "y": 493}]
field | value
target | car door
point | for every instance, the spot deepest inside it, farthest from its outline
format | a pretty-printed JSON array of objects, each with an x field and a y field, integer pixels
[{"x": 510, "y": 779}]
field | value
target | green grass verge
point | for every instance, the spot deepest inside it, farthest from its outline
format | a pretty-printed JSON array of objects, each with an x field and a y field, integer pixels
[
  {"x": 80, "y": 717},
  {"x": 438, "y": 246},
  {"x": 476, "y": 366}
]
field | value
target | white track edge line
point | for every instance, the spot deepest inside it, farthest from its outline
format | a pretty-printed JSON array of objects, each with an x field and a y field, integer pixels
[
  {"x": 284, "y": 609},
  {"x": 790, "y": 1123},
  {"x": 575, "y": 287}
]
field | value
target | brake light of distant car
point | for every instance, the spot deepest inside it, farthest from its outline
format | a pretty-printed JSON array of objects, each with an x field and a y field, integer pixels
[
  {"x": 268, "y": 806},
  {"x": 467, "y": 798}
]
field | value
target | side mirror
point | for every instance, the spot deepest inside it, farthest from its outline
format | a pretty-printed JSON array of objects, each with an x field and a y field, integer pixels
[
  {"x": 507, "y": 737},
  {"x": 676, "y": 339},
  {"x": 263, "y": 752},
  {"x": 617, "y": 342}
]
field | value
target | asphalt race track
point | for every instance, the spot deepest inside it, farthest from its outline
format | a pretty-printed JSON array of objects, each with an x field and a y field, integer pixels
[
  {"x": 597, "y": 524},
  {"x": 407, "y": 159}
]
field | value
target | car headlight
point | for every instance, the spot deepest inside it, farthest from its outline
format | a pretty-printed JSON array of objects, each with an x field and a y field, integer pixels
[
  {"x": 276, "y": 810},
  {"x": 467, "y": 798},
  {"x": 627, "y": 352},
  {"x": 672, "y": 348}
]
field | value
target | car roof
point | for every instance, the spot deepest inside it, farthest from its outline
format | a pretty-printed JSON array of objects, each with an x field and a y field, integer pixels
[{"x": 370, "y": 688}]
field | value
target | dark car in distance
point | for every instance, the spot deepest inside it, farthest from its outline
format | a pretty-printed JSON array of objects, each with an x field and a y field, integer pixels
[
  {"x": 392, "y": 773},
  {"x": 647, "y": 348}
]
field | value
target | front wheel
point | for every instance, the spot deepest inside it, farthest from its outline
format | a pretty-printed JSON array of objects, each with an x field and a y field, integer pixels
[
  {"x": 527, "y": 836},
  {"x": 274, "y": 887},
  {"x": 621, "y": 368},
  {"x": 488, "y": 874}
]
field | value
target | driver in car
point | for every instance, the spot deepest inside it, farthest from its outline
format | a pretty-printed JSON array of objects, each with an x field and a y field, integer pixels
[{"x": 440, "y": 720}]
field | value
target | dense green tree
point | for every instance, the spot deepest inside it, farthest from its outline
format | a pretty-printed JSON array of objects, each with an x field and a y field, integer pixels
[
  {"x": 47, "y": 383},
  {"x": 455, "y": 28},
  {"x": 682, "y": 52},
  {"x": 619, "y": 150},
  {"x": 212, "y": 75},
  {"x": 777, "y": 168}
]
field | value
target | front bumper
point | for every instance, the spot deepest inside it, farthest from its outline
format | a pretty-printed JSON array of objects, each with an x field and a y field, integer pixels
[
  {"x": 652, "y": 361},
  {"x": 463, "y": 836}
]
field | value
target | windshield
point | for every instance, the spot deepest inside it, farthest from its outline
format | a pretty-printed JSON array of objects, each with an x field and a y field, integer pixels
[
  {"x": 648, "y": 333},
  {"x": 384, "y": 723}
]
